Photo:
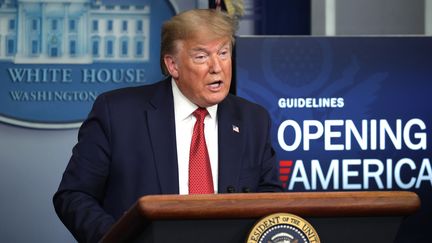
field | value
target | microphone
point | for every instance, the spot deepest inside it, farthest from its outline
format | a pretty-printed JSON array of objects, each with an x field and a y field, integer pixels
[
  {"x": 246, "y": 189},
  {"x": 230, "y": 189}
]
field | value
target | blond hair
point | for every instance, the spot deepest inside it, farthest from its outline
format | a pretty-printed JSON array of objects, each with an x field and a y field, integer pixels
[{"x": 192, "y": 23}]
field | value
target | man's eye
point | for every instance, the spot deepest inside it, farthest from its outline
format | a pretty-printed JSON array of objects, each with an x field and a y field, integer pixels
[
  {"x": 224, "y": 54},
  {"x": 200, "y": 58}
]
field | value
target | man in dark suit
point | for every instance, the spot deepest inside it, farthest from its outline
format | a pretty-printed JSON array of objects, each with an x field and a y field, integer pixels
[{"x": 136, "y": 141}]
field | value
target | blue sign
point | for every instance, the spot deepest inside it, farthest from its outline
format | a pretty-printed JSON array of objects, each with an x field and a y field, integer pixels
[
  {"x": 56, "y": 57},
  {"x": 349, "y": 113}
]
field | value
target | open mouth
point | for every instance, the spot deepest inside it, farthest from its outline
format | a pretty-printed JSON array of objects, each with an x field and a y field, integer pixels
[{"x": 216, "y": 84}]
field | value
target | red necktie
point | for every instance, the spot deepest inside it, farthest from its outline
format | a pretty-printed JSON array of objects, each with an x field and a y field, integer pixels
[{"x": 200, "y": 176}]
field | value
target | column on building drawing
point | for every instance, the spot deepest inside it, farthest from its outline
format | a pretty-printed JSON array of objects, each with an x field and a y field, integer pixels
[
  {"x": 2, "y": 36},
  {"x": 44, "y": 32},
  {"x": 21, "y": 35},
  {"x": 84, "y": 40},
  {"x": 66, "y": 30}
]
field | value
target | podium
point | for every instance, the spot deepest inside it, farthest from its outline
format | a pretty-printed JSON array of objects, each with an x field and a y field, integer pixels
[{"x": 336, "y": 216}]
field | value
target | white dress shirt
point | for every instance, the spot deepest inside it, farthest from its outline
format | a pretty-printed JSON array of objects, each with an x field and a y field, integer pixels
[{"x": 184, "y": 123}]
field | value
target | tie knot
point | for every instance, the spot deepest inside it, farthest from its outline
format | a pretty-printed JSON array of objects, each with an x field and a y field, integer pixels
[{"x": 200, "y": 113}]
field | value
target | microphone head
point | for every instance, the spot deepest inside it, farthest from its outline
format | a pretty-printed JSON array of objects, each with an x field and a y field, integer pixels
[
  {"x": 246, "y": 189},
  {"x": 230, "y": 189}
]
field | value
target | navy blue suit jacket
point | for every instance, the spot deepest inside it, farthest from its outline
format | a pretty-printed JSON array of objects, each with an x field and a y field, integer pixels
[{"x": 127, "y": 149}]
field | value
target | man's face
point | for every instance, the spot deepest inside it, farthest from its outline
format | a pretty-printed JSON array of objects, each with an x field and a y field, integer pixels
[{"x": 202, "y": 69}]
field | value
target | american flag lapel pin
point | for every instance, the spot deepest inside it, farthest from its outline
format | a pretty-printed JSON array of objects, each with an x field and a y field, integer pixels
[{"x": 236, "y": 128}]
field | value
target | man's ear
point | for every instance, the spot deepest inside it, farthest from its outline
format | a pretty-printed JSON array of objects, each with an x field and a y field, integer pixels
[{"x": 171, "y": 65}]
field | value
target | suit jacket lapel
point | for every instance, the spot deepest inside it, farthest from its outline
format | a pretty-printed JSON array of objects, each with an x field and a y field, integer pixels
[
  {"x": 162, "y": 131},
  {"x": 230, "y": 146}
]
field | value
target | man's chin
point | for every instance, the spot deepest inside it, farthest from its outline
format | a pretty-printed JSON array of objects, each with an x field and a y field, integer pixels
[{"x": 214, "y": 100}]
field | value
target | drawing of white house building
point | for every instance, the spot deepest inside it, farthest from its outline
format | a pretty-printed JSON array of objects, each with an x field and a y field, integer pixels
[{"x": 73, "y": 31}]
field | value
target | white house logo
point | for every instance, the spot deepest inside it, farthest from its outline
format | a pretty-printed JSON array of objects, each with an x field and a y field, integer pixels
[{"x": 57, "y": 56}]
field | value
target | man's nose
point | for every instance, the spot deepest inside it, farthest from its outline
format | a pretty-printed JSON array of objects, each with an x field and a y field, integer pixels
[{"x": 214, "y": 64}]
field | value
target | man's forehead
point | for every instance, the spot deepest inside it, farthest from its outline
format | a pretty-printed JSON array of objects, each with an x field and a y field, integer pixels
[{"x": 199, "y": 44}]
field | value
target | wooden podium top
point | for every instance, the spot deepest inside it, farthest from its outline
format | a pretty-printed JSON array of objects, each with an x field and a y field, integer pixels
[{"x": 257, "y": 205}]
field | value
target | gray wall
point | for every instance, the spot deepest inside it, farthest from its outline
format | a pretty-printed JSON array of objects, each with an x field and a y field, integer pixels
[
  {"x": 379, "y": 17},
  {"x": 370, "y": 17},
  {"x": 32, "y": 162}
]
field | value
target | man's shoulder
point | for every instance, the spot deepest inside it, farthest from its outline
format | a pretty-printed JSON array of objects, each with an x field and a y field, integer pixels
[
  {"x": 141, "y": 93},
  {"x": 240, "y": 104}
]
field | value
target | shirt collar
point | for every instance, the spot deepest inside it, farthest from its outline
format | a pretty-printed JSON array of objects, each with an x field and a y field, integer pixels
[{"x": 184, "y": 108}]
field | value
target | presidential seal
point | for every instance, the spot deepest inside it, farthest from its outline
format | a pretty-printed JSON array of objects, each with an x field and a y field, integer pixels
[{"x": 283, "y": 228}]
